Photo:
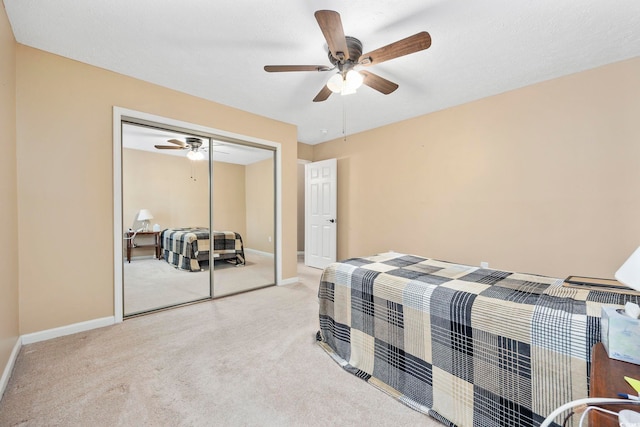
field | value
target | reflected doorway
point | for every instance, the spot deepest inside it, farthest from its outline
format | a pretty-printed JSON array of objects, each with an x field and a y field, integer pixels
[{"x": 170, "y": 202}]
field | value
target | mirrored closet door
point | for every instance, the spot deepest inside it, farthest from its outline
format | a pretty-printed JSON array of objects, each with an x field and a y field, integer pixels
[
  {"x": 243, "y": 212},
  {"x": 176, "y": 188},
  {"x": 165, "y": 198}
]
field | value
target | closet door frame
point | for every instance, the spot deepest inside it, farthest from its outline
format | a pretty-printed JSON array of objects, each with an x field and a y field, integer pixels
[{"x": 122, "y": 114}]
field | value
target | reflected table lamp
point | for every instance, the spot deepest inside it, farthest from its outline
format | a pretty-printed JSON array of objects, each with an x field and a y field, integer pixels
[{"x": 144, "y": 215}]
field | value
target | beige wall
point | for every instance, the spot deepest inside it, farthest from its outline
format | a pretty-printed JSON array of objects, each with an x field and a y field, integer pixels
[
  {"x": 65, "y": 169},
  {"x": 260, "y": 202},
  {"x": 9, "y": 327},
  {"x": 229, "y": 197},
  {"x": 305, "y": 151},
  {"x": 176, "y": 191},
  {"x": 543, "y": 179}
]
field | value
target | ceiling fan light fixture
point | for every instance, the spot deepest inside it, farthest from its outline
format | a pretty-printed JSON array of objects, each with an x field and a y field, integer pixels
[
  {"x": 335, "y": 83},
  {"x": 195, "y": 155},
  {"x": 353, "y": 80},
  {"x": 347, "y": 84},
  {"x": 347, "y": 91}
]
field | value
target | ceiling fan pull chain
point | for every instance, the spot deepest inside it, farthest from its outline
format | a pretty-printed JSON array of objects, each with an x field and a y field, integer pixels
[{"x": 344, "y": 119}]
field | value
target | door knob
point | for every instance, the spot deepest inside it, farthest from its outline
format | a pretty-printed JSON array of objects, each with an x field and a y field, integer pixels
[{"x": 331, "y": 220}]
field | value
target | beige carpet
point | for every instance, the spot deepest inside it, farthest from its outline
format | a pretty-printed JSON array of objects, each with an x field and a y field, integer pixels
[
  {"x": 150, "y": 284},
  {"x": 245, "y": 360}
]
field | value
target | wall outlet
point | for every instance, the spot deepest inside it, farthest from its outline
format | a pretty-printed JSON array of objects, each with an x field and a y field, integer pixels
[
  {"x": 269, "y": 239},
  {"x": 484, "y": 264}
]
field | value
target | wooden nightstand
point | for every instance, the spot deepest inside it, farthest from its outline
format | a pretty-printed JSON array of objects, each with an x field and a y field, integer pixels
[
  {"x": 156, "y": 242},
  {"x": 607, "y": 380}
]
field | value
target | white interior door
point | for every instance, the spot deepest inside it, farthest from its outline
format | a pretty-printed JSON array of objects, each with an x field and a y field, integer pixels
[{"x": 320, "y": 211}]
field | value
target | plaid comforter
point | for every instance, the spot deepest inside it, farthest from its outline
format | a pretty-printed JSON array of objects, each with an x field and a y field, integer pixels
[
  {"x": 184, "y": 248},
  {"x": 468, "y": 346}
]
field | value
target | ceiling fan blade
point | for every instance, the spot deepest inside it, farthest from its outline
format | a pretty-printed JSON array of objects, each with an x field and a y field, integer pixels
[
  {"x": 331, "y": 26},
  {"x": 169, "y": 147},
  {"x": 411, "y": 44},
  {"x": 323, "y": 94},
  {"x": 177, "y": 142},
  {"x": 286, "y": 68},
  {"x": 378, "y": 83}
]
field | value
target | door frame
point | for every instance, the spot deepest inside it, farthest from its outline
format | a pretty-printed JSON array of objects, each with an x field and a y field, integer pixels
[{"x": 120, "y": 114}]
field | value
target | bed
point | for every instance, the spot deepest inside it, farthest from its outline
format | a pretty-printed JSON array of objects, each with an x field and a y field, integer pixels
[
  {"x": 465, "y": 345},
  {"x": 187, "y": 248}
]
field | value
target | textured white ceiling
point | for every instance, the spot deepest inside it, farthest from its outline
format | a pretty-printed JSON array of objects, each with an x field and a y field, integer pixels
[{"x": 217, "y": 49}]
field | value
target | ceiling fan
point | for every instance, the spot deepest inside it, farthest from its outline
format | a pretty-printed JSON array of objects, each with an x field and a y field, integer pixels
[
  {"x": 345, "y": 53},
  {"x": 194, "y": 145}
]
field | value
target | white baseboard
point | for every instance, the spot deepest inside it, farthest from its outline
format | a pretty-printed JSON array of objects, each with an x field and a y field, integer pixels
[
  {"x": 67, "y": 330},
  {"x": 8, "y": 369},
  {"x": 288, "y": 281},
  {"x": 255, "y": 251},
  {"x": 138, "y": 257}
]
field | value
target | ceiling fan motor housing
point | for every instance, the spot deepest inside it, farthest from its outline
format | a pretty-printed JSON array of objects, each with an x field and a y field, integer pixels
[
  {"x": 195, "y": 143},
  {"x": 355, "y": 51}
]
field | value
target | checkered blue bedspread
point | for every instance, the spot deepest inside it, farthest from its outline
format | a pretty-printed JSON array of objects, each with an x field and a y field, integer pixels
[{"x": 468, "y": 346}]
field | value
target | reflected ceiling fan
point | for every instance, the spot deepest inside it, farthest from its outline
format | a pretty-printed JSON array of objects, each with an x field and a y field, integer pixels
[
  {"x": 345, "y": 53},
  {"x": 194, "y": 145}
]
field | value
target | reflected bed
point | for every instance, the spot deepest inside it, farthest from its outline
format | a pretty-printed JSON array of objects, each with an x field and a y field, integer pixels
[{"x": 187, "y": 248}]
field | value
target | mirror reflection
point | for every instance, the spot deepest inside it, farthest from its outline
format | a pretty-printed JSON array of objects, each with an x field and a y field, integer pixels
[
  {"x": 244, "y": 204},
  {"x": 171, "y": 195}
]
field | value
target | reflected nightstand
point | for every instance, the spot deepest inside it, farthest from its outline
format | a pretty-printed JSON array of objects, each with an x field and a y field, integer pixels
[{"x": 155, "y": 244}]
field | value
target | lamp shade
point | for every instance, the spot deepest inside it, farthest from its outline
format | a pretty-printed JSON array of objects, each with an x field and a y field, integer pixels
[
  {"x": 144, "y": 215},
  {"x": 629, "y": 273}
]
